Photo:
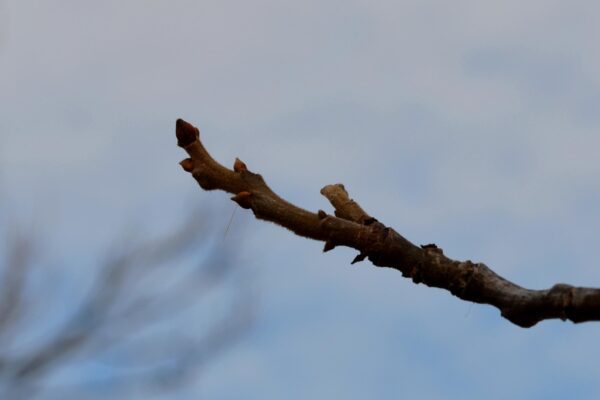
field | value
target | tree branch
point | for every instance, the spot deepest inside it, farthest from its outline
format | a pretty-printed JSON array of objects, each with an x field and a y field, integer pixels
[{"x": 353, "y": 227}]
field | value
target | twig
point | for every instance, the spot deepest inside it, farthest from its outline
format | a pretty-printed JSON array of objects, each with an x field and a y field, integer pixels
[{"x": 353, "y": 227}]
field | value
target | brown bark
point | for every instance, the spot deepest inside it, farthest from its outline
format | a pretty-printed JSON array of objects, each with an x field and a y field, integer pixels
[{"x": 384, "y": 247}]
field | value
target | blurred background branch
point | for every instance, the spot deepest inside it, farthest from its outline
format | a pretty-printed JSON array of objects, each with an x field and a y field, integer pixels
[{"x": 148, "y": 321}]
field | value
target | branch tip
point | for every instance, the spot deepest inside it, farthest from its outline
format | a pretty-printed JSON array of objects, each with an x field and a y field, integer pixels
[{"x": 186, "y": 133}]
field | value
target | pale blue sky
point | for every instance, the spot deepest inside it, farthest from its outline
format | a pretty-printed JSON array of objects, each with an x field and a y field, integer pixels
[{"x": 471, "y": 124}]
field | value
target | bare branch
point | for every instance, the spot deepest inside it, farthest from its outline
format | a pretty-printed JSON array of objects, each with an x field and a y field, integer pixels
[
  {"x": 137, "y": 292},
  {"x": 18, "y": 264},
  {"x": 383, "y": 246}
]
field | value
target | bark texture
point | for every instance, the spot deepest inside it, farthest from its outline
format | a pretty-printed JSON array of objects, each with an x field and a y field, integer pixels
[{"x": 351, "y": 226}]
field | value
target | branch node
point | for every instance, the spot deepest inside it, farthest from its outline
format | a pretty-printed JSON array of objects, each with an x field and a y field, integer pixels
[
  {"x": 566, "y": 298},
  {"x": 415, "y": 274},
  {"x": 432, "y": 247}
]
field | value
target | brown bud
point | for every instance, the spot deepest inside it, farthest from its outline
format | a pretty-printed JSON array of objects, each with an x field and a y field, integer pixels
[
  {"x": 239, "y": 166},
  {"x": 243, "y": 199},
  {"x": 186, "y": 133},
  {"x": 329, "y": 245},
  {"x": 187, "y": 164},
  {"x": 322, "y": 214},
  {"x": 361, "y": 256}
]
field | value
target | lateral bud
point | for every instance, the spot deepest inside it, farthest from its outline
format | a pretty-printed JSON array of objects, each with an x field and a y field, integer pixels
[
  {"x": 186, "y": 133},
  {"x": 322, "y": 214},
  {"x": 361, "y": 256},
  {"x": 243, "y": 199},
  {"x": 239, "y": 166},
  {"x": 329, "y": 245},
  {"x": 187, "y": 164}
]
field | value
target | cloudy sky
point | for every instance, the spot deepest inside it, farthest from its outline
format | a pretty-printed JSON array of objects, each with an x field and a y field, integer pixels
[{"x": 470, "y": 124}]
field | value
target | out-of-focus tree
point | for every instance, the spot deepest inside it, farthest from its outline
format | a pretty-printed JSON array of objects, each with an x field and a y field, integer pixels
[{"x": 149, "y": 319}]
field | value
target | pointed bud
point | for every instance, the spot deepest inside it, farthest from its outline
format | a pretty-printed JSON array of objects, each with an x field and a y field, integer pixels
[
  {"x": 186, "y": 133},
  {"x": 239, "y": 166},
  {"x": 359, "y": 258},
  {"x": 329, "y": 245},
  {"x": 322, "y": 214},
  {"x": 243, "y": 199},
  {"x": 187, "y": 164}
]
